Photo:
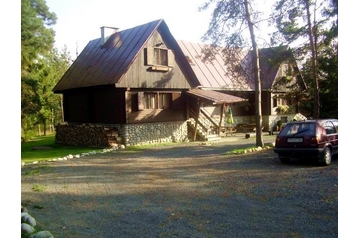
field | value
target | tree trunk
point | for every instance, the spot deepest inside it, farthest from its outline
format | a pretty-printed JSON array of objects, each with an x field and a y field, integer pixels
[
  {"x": 256, "y": 64},
  {"x": 316, "y": 106},
  {"x": 45, "y": 125}
]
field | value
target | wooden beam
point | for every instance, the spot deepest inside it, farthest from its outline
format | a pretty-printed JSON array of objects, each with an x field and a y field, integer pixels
[
  {"x": 221, "y": 117},
  {"x": 196, "y": 122}
]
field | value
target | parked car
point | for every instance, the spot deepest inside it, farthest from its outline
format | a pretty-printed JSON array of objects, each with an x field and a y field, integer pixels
[{"x": 317, "y": 139}]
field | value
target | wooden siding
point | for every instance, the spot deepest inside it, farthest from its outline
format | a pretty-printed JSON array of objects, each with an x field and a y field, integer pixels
[
  {"x": 266, "y": 102},
  {"x": 76, "y": 106},
  {"x": 156, "y": 115},
  {"x": 95, "y": 105},
  {"x": 137, "y": 114},
  {"x": 139, "y": 74}
]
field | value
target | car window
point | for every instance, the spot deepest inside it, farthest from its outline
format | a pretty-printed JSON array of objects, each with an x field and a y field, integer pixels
[
  {"x": 335, "y": 123},
  {"x": 299, "y": 129},
  {"x": 330, "y": 128}
]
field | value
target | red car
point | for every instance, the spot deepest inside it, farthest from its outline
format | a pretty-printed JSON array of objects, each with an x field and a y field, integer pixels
[{"x": 308, "y": 139}]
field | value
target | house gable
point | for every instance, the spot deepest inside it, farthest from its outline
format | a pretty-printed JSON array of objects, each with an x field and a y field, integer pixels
[
  {"x": 106, "y": 64},
  {"x": 147, "y": 72},
  {"x": 279, "y": 70}
]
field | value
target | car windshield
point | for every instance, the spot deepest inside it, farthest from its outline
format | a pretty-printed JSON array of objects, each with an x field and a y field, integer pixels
[{"x": 299, "y": 128}]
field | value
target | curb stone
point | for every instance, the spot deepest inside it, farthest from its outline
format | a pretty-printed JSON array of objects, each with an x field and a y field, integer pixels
[
  {"x": 70, "y": 156},
  {"x": 28, "y": 226}
]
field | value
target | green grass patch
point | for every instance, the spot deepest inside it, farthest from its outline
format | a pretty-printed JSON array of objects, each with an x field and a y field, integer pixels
[
  {"x": 240, "y": 150},
  {"x": 51, "y": 151},
  {"x": 38, "y": 188},
  {"x": 244, "y": 150}
]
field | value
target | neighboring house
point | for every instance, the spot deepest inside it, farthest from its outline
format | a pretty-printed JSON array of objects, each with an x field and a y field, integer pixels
[{"x": 140, "y": 85}]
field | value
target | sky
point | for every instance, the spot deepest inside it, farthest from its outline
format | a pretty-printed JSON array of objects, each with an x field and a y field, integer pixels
[{"x": 80, "y": 21}]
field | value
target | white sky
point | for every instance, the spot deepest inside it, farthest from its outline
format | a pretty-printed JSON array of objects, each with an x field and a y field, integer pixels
[{"x": 80, "y": 21}]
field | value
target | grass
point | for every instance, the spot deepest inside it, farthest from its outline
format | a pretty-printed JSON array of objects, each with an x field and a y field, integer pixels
[
  {"x": 244, "y": 150},
  {"x": 56, "y": 151},
  {"x": 38, "y": 188}
]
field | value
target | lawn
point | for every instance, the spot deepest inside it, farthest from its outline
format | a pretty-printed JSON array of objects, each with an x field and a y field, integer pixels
[{"x": 51, "y": 149}]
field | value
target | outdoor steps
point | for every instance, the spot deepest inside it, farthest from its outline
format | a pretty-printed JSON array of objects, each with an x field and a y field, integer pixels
[{"x": 206, "y": 136}]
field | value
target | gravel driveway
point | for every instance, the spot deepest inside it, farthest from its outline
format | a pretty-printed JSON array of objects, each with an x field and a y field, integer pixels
[{"x": 187, "y": 190}]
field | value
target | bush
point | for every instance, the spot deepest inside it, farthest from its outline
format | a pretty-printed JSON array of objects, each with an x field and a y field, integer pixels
[{"x": 279, "y": 123}]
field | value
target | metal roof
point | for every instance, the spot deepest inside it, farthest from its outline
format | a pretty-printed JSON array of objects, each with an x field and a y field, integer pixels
[
  {"x": 212, "y": 74},
  {"x": 99, "y": 65},
  {"x": 214, "y": 96},
  {"x": 104, "y": 65}
]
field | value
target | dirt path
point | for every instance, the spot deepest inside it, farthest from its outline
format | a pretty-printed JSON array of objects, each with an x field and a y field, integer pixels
[{"x": 184, "y": 191}]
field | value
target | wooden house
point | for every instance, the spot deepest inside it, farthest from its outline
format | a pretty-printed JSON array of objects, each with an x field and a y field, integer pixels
[{"x": 141, "y": 85}]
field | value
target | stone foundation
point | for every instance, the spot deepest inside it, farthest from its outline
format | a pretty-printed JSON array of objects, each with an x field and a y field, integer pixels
[
  {"x": 148, "y": 133},
  {"x": 96, "y": 135}
]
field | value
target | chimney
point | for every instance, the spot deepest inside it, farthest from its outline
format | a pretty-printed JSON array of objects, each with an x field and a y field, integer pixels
[{"x": 106, "y": 32}]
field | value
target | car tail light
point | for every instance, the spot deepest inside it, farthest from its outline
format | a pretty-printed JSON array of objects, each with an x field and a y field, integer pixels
[
  {"x": 315, "y": 139},
  {"x": 277, "y": 140}
]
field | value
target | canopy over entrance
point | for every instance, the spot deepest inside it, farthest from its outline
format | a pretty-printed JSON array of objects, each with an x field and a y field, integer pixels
[{"x": 214, "y": 97}]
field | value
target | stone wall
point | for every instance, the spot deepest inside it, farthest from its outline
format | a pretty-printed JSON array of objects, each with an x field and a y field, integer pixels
[
  {"x": 86, "y": 135},
  {"x": 147, "y": 133},
  {"x": 97, "y": 135}
]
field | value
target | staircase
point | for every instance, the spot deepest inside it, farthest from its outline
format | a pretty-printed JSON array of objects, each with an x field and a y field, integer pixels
[{"x": 205, "y": 128}]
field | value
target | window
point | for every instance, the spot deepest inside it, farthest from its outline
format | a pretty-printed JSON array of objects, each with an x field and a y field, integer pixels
[
  {"x": 157, "y": 100},
  {"x": 330, "y": 129},
  {"x": 278, "y": 100},
  {"x": 155, "y": 56},
  {"x": 160, "y": 56}
]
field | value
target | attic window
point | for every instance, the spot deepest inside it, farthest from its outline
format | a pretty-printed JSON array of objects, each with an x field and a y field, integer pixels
[{"x": 156, "y": 56}]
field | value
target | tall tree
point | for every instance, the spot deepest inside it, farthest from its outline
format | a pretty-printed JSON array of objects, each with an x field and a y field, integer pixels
[
  {"x": 53, "y": 67},
  {"x": 301, "y": 23},
  {"x": 229, "y": 22},
  {"x": 37, "y": 39}
]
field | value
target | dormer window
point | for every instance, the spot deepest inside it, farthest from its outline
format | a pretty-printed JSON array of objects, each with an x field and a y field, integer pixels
[{"x": 161, "y": 59}]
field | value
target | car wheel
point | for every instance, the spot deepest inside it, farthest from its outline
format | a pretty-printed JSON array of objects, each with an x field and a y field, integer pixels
[
  {"x": 327, "y": 157},
  {"x": 284, "y": 159}
]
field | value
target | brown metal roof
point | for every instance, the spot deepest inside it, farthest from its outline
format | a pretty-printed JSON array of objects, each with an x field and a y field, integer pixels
[
  {"x": 213, "y": 74},
  {"x": 214, "y": 96},
  {"x": 99, "y": 65},
  {"x": 104, "y": 65}
]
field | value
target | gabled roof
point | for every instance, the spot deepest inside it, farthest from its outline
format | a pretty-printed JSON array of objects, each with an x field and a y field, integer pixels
[{"x": 105, "y": 65}]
